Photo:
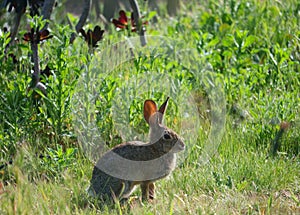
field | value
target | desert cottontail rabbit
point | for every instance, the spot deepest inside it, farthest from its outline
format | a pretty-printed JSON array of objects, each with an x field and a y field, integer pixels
[{"x": 119, "y": 170}]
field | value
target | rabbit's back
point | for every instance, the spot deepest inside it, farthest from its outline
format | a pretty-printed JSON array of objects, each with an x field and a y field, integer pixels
[
  {"x": 127, "y": 165},
  {"x": 139, "y": 151}
]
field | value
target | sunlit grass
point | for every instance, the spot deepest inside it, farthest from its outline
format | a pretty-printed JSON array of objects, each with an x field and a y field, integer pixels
[
  {"x": 253, "y": 47},
  {"x": 241, "y": 182}
]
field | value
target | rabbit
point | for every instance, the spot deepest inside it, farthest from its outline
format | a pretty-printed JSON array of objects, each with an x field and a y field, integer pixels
[{"x": 120, "y": 170}]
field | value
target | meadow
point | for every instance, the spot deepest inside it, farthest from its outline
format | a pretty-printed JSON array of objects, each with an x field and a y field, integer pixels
[{"x": 232, "y": 71}]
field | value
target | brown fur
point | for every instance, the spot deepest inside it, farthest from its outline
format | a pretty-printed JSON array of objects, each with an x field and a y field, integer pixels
[{"x": 150, "y": 161}]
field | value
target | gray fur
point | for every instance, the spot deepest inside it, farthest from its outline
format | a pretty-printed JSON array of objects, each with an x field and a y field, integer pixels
[{"x": 129, "y": 164}]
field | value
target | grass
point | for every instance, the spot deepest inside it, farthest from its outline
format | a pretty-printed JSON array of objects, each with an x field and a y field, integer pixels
[
  {"x": 252, "y": 47},
  {"x": 241, "y": 183}
]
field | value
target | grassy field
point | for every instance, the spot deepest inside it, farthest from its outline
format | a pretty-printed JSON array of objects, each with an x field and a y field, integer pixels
[{"x": 233, "y": 74}]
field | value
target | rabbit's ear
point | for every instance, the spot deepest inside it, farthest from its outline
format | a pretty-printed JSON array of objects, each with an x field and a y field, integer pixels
[
  {"x": 162, "y": 109},
  {"x": 150, "y": 108},
  {"x": 164, "y": 106}
]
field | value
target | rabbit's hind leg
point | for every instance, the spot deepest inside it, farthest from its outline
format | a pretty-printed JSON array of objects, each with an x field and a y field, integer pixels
[
  {"x": 151, "y": 191},
  {"x": 117, "y": 189},
  {"x": 129, "y": 187},
  {"x": 148, "y": 190}
]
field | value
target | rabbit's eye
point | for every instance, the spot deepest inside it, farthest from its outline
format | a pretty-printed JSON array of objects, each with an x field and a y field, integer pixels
[{"x": 167, "y": 136}]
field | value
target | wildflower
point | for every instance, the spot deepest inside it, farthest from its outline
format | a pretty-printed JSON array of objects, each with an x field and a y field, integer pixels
[
  {"x": 92, "y": 37},
  {"x": 37, "y": 36},
  {"x": 123, "y": 22}
]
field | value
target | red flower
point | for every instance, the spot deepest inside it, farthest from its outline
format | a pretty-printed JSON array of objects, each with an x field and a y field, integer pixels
[
  {"x": 92, "y": 37},
  {"x": 37, "y": 36},
  {"x": 123, "y": 21}
]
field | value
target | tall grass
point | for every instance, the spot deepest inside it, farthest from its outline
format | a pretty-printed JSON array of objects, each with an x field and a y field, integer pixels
[{"x": 252, "y": 46}]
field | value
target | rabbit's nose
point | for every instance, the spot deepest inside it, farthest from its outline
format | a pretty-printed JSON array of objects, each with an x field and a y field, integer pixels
[{"x": 180, "y": 145}]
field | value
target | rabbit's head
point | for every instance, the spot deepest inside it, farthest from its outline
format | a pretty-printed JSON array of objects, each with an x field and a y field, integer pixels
[{"x": 158, "y": 132}]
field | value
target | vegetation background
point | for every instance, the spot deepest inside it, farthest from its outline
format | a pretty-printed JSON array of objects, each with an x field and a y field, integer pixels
[{"x": 254, "y": 46}]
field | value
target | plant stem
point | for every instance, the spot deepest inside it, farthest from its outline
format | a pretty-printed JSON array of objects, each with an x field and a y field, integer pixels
[
  {"x": 83, "y": 18},
  {"x": 138, "y": 22},
  {"x": 84, "y": 15},
  {"x": 36, "y": 73},
  {"x": 15, "y": 29},
  {"x": 173, "y": 7},
  {"x": 47, "y": 10},
  {"x": 109, "y": 8},
  {"x": 35, "y": 58},
  {"x": 97, "y": 8}
]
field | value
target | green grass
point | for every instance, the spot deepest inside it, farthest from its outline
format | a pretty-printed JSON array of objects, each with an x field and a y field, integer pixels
[
  {"x": 241, "y": 182},
  {"x": 252, "y": 47}
]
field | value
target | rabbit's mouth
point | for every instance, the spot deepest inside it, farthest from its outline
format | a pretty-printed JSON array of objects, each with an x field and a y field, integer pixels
[{"x": 179, "y": 146}]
